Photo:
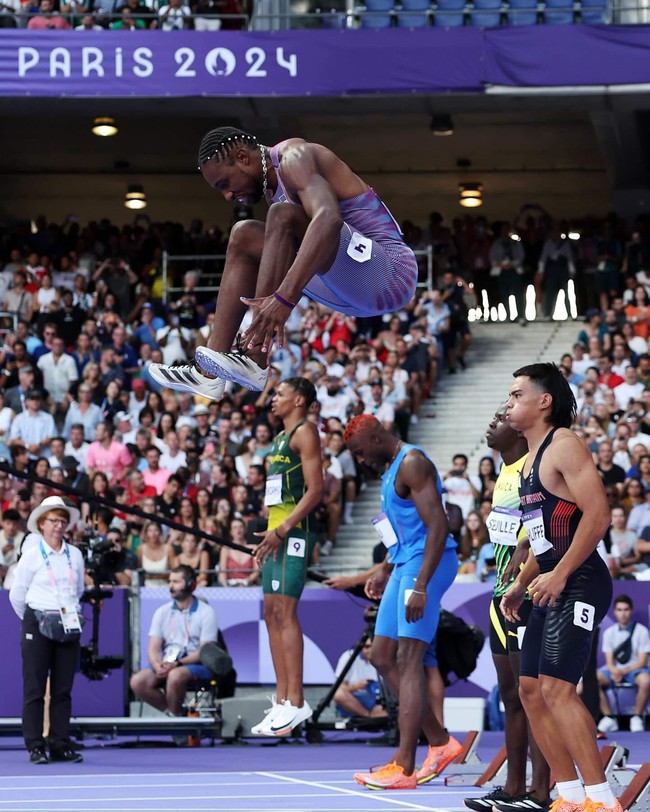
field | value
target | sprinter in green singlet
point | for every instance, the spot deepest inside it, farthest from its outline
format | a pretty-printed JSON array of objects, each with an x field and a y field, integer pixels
[{"x": 294, "y": 488}]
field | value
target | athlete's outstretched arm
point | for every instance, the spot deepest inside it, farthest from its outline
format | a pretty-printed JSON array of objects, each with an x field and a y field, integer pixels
[{"x": 572, "y": 461}]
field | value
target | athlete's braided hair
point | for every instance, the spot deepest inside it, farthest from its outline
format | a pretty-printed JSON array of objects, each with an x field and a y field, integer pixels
[
  {"x": 221, "y": 142},
  {"x": 304, "y": 387}
]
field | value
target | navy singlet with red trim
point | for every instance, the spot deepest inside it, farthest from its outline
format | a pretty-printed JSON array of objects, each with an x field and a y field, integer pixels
[{"x": 560, "y": 516}]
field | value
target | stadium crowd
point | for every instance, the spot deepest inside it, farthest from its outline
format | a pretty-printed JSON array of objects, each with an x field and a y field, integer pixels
[{"x": 84, "y": 318}]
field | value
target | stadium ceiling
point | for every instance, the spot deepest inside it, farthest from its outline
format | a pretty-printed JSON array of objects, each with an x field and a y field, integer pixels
[{"x": 161, "y": 135}]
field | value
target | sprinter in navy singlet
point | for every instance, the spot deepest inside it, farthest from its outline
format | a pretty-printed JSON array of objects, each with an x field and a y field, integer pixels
[{"x": 565, "y": 513}]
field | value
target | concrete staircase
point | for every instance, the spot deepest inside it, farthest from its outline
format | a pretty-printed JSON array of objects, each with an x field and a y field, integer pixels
[{"x": 463, "y": 405}]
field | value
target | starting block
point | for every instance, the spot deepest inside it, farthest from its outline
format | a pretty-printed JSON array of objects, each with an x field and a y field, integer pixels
[
  {"x": 468, "y": 769},
  {"x": 636, "y": 797}
]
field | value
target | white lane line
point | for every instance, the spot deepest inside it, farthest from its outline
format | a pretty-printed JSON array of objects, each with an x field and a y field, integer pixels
[{"x": 379, "y": 796}]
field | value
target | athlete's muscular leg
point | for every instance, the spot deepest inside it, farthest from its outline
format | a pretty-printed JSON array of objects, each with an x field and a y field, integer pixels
[
  {"x": 548, "y": 733},
  {"x": 240, "y": 274},
  {"x": 575, "y": 730},
  {"x": 285, "y": 638},
  {"x": 516, "y": 732},
  {"x": 539, "y": 786},
  {"x": 257, "y": 260},
  {"x": 383, "y": 655}
]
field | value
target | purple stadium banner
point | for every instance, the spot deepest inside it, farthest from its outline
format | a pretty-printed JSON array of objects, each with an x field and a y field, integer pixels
[
  {"x": 317, "y": 63},
  {"x": 331, "y": 621},
  {"x": 294, "y": 63}
]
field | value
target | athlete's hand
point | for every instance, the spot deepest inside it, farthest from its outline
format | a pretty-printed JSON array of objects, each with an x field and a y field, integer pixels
[
  {"x": 268, "y": 547},
  {"x": 376, "y": 584},
  {"x": 268, "y": 323},
  {"x": 340, "y": 582},
  {"x": 546, "y": 588},
  {"x": 415, "y": 606},
  {"x": 518, "y": 558},
  {"x": 511, "y": 601}
]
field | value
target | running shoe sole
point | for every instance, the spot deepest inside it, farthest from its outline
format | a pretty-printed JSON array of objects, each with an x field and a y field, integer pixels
[{"x": 236, "y": 369}]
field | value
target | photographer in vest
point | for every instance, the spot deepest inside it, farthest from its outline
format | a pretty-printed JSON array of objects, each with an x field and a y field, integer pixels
[{"x": 45, "y": 592}]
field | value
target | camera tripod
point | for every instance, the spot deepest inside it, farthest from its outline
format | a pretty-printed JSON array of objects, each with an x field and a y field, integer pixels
[
  {"x": 94, "y": 666},
  {"x": 388, "y": 723}
]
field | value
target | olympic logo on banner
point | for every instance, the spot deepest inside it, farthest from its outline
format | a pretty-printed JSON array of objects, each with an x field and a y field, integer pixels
[{"x": 94, "y": 62}]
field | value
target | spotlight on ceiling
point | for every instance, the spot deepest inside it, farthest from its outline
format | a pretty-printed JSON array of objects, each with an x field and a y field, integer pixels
[
  {"x": 135, "y": 198},
  {"x": 442, "y": 125},
  {"x": 104, "y": 126},
  {"x": 471, "y": 195}
]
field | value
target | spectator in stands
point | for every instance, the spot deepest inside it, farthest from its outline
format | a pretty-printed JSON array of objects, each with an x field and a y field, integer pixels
[
  {"x": 623, "y": 556},
  {"x": 609, "y": 255},
  {"x": 630, "y": 390},
  {"x": 626, "y": 645},
  {"x": 454, "y": 289},
  {"x": 175, "y": 16},
  {"x": 474, "y": 538},
  {"x": 47, "y": 18},
  {"x": 18, "y": 299},
  {"x": 237, "y": 568},
  {"x": 153, "y": 554},
  {"x": 460, "y": 488},
  {"x": 610, "y": 473},
  {"x": 193, "y": 556},
  {"x": 154, "y": 475},
  {"x": 59, "y": 373},
  {"x": 507, "y": 261},
  {"x": 349, "y": 470},
  {"x": 88, "y": 24},
  {"x": 76, "y": 446},
  {"x": 107, "y": 455},
  {"x": 33, "y": 428}
]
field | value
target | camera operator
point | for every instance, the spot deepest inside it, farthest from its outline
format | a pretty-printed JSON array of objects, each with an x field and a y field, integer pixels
[
  {"x": 112, "y": 564},
  {"x": 45, "y": 592},
  {"x": 178, "y": 631}
]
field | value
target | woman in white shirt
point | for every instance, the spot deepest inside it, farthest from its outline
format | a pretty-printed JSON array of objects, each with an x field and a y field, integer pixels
[{"x": 47, "y": 585}]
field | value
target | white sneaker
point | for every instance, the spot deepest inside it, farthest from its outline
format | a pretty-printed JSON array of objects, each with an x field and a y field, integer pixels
[
  {"x": 289, "y": 717},
  {"x": 348, "y": 520},
  {"x": 260, "y": 729},
  {"x": 326, "y": 548},
  {"x": 233, "y": 366},
  {"x": 608, "y": 725},
  {"x": 188, "y": 378},
  {"x": 636, "y": 724}
]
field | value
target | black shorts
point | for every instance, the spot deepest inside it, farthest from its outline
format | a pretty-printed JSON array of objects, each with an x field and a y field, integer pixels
[
  {"x": 558, "y": 638},
  {"x": 504, "y": 635}
]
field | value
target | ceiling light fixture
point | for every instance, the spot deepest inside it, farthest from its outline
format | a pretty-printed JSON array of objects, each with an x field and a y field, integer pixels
[
  {"x": 471, "y": 195},
  {"x": 104, "y": 126},
  {"x": 442, "y": 125},
  {"x": 135, "y": 198}
]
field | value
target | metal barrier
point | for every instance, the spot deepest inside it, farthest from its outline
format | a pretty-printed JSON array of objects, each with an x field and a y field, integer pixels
[{"x": 425, "y": 275}]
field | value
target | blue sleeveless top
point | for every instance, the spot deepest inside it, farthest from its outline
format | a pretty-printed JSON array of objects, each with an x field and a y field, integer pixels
[{"x": 409, "y": 528}]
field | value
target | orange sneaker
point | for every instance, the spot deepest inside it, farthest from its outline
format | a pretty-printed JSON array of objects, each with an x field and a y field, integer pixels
[
  {"x": 593, "y": 806},
  {"x": 391, "y": 776},
  {"x": 560, "y": 805},
  {"x": 437, "y": 759}
]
